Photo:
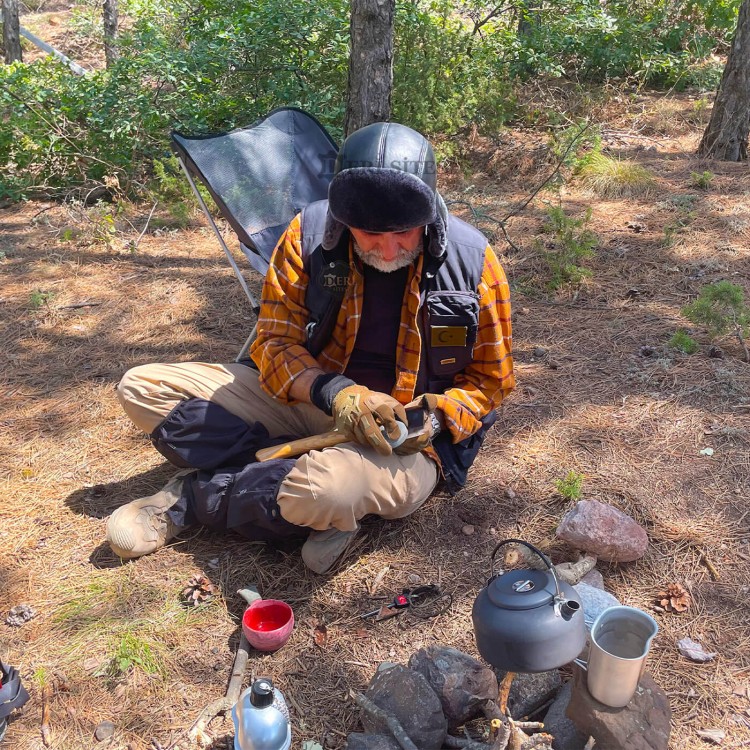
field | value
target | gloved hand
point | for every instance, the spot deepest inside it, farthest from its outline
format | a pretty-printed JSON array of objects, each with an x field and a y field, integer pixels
[
  {"x": 428, "y": 404},
  {"x": 359, "y": 412}
]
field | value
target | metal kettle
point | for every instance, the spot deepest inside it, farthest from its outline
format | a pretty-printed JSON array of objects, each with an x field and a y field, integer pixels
[{"x": 528, "y": 620}]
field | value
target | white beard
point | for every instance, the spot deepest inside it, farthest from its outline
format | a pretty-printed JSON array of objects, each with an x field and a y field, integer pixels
[{"x": 372, "y": 258}]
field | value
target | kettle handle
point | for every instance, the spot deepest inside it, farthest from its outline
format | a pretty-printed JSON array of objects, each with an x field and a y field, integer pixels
[{"x": 539, "y": 552}]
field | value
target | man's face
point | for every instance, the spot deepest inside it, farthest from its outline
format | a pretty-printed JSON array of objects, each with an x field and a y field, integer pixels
[{"x": 388, "y": 251}]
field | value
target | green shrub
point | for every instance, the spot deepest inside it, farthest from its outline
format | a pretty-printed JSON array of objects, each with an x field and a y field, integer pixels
[
  {"x": 572, "y": 243},
  {"x": 445, "y": 78},
  {"x": 197, "y": 69},
  {"x": 683, "y": 342},
  {"x": 661, "y": 43},
  {"x": 209, "y": 65},
  {"x": 721, "y": 308},
  {"x": 38, "y": 298},
  {"x": 576, "y": 145},
  {"x": 701, "y": 180},
  {"x": 570, "y": 487}
]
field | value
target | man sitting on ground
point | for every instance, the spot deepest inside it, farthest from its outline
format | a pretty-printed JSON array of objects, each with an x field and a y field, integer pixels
[{"x": 378, "y": 302}]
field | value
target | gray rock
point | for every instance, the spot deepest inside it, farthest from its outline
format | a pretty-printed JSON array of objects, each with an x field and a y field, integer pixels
[
  {"x": 104, "y": 730},
  {"x": 528, "y": 691},
  {"x": 594, "y": 602},
  {"x": 359, "y": 741},
  {"x": 603, "y": 531},
  {"x": 593, "y": 578},
  {"x": 644, "y": 724},
  {"x": 461, "y": 682},
  {"x": 407, "y": 695},
  {"x": 386, "y": 665},
  {"x": 567, "y": 737}
]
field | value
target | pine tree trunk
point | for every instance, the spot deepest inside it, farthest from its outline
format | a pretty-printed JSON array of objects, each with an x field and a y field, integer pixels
[
  {"x": 727, "y": 132},
  {"x": 11, "y": 35},
  {"x": 528, "y": 19},
  {"x": 370, "y": 63},
  {"x": 109, "y": 15}
]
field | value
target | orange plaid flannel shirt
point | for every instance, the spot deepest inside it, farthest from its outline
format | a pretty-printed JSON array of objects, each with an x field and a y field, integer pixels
[{"x": 279, "y": 351}]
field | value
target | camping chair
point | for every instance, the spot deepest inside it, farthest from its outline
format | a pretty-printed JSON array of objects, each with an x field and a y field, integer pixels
[{"x": 260, "y": 177}]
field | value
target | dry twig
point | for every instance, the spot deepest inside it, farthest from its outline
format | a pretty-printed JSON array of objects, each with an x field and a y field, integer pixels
[
  {"x": 46, "y": 730},
  {"x": 213, "y": 709},
  {"x": 711, "y": 569},
  {"x": 502, "y": 699}
]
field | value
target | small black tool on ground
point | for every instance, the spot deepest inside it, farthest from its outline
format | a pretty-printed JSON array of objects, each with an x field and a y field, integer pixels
[{"x": 424, "y": 601}]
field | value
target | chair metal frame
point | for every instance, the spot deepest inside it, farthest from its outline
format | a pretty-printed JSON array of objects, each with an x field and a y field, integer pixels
[{"x": 232, "y": 262}]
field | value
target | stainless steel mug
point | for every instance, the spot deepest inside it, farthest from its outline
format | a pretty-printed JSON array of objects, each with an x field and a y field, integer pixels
[{"x": 620, "y": 640}]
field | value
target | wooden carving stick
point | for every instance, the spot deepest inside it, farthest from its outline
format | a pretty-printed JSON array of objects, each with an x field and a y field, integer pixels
[{"x": 302, "y": 445}]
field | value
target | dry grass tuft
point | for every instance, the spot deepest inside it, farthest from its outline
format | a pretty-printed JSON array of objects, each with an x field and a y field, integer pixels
[{"x": 616, "y": 178}]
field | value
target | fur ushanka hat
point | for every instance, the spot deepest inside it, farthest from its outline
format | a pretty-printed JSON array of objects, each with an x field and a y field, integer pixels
[{"x": 385, "y": 181}]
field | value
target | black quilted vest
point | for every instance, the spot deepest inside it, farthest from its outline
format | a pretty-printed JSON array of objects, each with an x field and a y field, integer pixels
[{"x": 450, "y": 303}]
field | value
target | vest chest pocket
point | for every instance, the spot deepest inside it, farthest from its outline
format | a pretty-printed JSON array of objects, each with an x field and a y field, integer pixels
[{"x": 451, "y": 330}]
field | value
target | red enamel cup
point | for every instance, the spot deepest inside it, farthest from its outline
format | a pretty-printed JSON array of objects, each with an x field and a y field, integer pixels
[{"x": 267, "y": 624}]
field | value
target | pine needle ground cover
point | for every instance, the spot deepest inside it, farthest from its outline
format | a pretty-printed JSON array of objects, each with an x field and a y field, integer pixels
[{"x": 602, "y": 396}]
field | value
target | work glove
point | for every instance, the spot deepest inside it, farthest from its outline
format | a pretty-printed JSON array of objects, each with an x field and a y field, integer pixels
[
  {"x": 359, "y": 414},
  {"x": 431, "y": 425}
]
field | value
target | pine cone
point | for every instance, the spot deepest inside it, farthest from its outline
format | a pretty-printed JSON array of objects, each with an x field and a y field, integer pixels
[
  {"x": 199, "y": 590},
  {"x": 675, "y": 598}
]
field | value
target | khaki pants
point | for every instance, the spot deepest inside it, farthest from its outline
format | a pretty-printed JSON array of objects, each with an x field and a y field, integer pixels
[{"x": 334, "y": 487}]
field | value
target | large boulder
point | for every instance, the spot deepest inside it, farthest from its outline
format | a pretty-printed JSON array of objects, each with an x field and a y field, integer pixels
[
  {"x": 407, "y": 695},
  {"x": 644, "y": 724},
  {"x": 603, "y": 531},
  {"x": 360, "y": 741},
  {"x": 461, "y": 682}
]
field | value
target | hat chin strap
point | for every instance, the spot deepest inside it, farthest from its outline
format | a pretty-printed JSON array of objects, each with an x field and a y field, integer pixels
[{"x": 437, "y": 231}]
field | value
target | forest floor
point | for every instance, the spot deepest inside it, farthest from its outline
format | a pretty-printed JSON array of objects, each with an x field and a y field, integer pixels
[{"x": 600, "y": 392}]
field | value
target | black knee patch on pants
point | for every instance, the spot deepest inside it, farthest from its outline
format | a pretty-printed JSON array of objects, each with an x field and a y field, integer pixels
[
  {"x": 203, "y": 435},
  {"x": 239, "y": 499}
]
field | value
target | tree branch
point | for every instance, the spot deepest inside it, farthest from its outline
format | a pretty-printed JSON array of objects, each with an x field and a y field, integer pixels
[
  {"x": 390, "y": 720},
  {"x": 494, "y": 13}
]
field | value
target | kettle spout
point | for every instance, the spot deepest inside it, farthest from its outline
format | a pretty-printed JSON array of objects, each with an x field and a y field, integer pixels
[{"x": 568, "y": 607}]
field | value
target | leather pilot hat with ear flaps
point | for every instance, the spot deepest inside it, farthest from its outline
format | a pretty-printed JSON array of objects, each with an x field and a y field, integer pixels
[{"x": 385, "y": 181}]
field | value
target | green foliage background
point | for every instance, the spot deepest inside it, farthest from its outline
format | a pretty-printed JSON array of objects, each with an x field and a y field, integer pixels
[{"x": 206, "y": 65}]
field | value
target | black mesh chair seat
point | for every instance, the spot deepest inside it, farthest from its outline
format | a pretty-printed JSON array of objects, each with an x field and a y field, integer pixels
[{"x": 262, "y": 175}]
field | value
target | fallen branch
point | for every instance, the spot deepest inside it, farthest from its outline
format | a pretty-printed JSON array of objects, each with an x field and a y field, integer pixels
[
  {"x": 500, "y": 725},
  {"x": 464, "y": 743},
  {"x": 79, "y": 305},
  {"x": 538, "y": 741},
  {"x": 45, "y": 729},
  {"x": 390, "y": 720},
  {"x": 135, "y": 244},
  {"x": 529, "y": 726},
  {"x": 222, "y": 705}
]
